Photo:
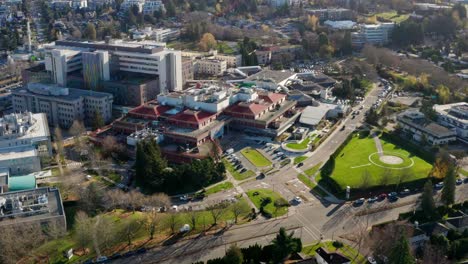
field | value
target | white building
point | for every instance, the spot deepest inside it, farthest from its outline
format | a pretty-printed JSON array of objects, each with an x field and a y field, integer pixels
[
  {"x": 61, "y": 62},
  {"x": 156, "y": 34},
  {"x": 127, "y": 4},
  {"x": 454, "y": 116},
  {"x": 280, "y": 3},
  {"x": 25, "y": 130},
  {"x": 378, "y": 34},
  {"x": 340, "y": 24},
  {"x": 24, "y": 139},
  {"x": 20, "y": 161},
  {"x": 63, "y": 105},
  {"x": 79, "y": 4},
  {"x": 152, "y": 5},
  {"x": 420, "y": 128},
  {"x": 146, "y": 57},
  {"x": 211, "y": 67}
]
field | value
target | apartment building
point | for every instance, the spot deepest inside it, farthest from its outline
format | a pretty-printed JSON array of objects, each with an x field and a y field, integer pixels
[
  {"x": 212, "y": 67},
  {"x": 454, "y": 116},
  {"x": 378, "y": 34},
  {"x": 127, "y": 4},
  {"x": 61, "y": 105},
  {"x": 332, "y": 14},
  {"x": 420, "y": 129}
]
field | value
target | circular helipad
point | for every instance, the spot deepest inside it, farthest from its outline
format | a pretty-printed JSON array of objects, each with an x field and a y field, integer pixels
[{"x": 390, "y": 159}]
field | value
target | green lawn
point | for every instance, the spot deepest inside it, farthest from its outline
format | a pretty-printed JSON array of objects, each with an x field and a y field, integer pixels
[
  {"x": 237, "y": 175},
  {"x": 219, "y": 187},
  {"x": 353, "y": 162},
  {"x": 311, "y": 171},
  {"x": 299, "y": 146},
  {"x": 224, "y": 48},
  {"x": 299, "y": 159},
  {"x": 270, "y": 207},
  {"x": 306, "y": 180},
  {"x": 463, "y": 172},
  {"x": 393, "y": 16},
  {"x": 346, "y": 250},
  {"x": 255, "y": 157}
]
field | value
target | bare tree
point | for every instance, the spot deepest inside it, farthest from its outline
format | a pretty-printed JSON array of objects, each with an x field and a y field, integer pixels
[
  {"x": 135, "y": 199},
  {"x": 29, "y": 236},
  {"x": 216, "y": 211},
  {"x": 239, "y": 208},
  {"x": 103, "y": 233},
  {"x": 83, "y": 230},
  {"x": 366, "y": 180},
  {"x": 152, "y": 219},
  {"x": 113, "y": 199},
  {"x": 158, "y": 200},
  {"x": 172, "y": 221},
  {"x": 386, "y": 177},
  {"x": 192, "y": 218},
  {"x": 130, "y": 228},
  {"x": 433, "y": 255}
]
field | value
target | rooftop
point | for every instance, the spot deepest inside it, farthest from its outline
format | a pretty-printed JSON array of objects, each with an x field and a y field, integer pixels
[
  {"x": 271, "y": 76},
  {"x": 70, "y": 94},
  {"x": 17, "y": 153},
  {"x": 23, "y": 125},
  {"x": 332, "y": 257},
  {"x": 418, "y": 120},
  {"x": 30, "y": 205},
  {"x": 115, "y": 45}
]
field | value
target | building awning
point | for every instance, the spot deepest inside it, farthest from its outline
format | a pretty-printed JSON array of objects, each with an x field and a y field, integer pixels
[{"x": 19, "y": 183}]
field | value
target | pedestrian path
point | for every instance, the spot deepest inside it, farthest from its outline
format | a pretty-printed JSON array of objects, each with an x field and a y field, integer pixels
[{"x": 378, "y": 144}]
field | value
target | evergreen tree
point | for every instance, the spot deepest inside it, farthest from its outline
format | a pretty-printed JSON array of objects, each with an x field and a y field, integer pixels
[
  {"x": 401, "y": 253},
  {"x": 448, "y": 192},
  {"x": 284, "y": 245},
  {"x": 98, "y": 121},
  {"x": 346, "y": 46},
  {"x": 233, "y": 255},
  {"x": 427, "y": 201}
]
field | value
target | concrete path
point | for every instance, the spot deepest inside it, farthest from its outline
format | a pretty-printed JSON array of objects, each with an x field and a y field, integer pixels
[{"x": 378, "y": 145}]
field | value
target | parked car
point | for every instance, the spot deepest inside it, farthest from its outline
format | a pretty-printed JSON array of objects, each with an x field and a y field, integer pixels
[
  {"x": 243, "y": 170},
  {"x": 343, "y": 128},
  {"x": 141, "y": 250},
  {"x": 115, "y": 256},
  {"x": 372, "y": 199},
  {"x": 297, "y": 200},
  {"x": 300, "y": 164},
  {"x": 359, "y": 201},
  {"x": 184, "y": 198},
  {"x": 392, "y": 194},
  {"x": 101, "y": 259},
  {"x": 261, "y": 176},
  {"x": 185, "y": 228},
  {"x": 465, "y": 180},
  {"x": 405, "y": 192},
  {"x": 382, "y": 196},
  {"x": 439, "y": 185},
  {"x": 459, "y": 181}
]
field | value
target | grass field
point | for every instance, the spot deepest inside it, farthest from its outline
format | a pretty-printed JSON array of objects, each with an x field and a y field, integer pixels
[
  {"x": 393, "y": 16},
  {"x": 255, "y": 157},
  {"x": 237, "y": 175},
  {"x": 299, "y": 159},
  {"x": 270, "y": 207},
  {"x": 358, "y": 158},
  {"x": 346, "y": 250},
  {"x": 299, "y": 146},
  {"x": 219, "y": 187}
]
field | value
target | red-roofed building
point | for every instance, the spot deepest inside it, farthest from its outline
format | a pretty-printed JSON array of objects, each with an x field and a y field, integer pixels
[
  {"x": 192, "y": 119},
  {"x": 152, "y": 112}
]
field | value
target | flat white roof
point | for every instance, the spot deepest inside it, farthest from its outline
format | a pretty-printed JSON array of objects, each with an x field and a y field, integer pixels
[{"x": 18, "y": 153}]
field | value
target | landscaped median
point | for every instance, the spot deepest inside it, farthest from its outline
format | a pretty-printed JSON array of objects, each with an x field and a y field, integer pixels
[
  {"x": 219, "y": 187},
  {"x": 255, "y": 157},
  {"x": 335, "y": 246},
  {"x": 270, "y": 203},
  {"x": 236, "y": 174}
]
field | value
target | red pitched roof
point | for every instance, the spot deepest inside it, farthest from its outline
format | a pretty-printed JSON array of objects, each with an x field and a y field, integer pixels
[
  {"x": 272, "y": 97},
  {"x": 190, "y": 116},
  {"x": 146, "y": 111},
  {"x": 251, "y": 109}
]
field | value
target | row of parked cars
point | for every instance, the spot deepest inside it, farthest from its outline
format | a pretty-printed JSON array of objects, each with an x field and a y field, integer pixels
[
  {"x": 276, "y": 151},
  {"x": 393, "y": 196},
  {"x": 236, "y": 163},
  {"x": 105, "y": 259}
]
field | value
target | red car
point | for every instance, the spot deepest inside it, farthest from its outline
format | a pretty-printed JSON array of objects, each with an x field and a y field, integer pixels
[{"x": 382, "y": 196}]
